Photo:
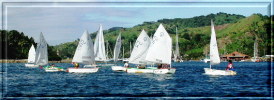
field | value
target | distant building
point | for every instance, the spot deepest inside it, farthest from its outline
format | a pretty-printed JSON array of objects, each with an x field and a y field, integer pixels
[{"x": 234, "y": 56}]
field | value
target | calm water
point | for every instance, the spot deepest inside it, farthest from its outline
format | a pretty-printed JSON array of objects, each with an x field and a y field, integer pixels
[{"x": 253, "y": 80}]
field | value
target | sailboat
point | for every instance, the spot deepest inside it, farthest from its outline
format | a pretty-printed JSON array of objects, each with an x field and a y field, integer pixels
[
  {"x": 214, "y": 56},
  {"x": 31, "y": 57},
  {"x": 206, "y": 59},
  {"x": 84, "y": 54},
  {"x": 255, "y": 53},
  {"x": 99, "y": 46},
  {"x": 41, "y": 57},
  {"x": 160, "y": 51},
  {"x": 177, "y": 57},
  {"x": 116, "y": 54},
  {"x": 139, "y": 54}
]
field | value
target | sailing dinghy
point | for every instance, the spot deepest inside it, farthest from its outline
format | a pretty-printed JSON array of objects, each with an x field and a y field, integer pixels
[
  {"x": 116, "y": 54},
  {"x": 139, "y": 53},
  {"x": 160, "y": 52},
  {"x": 214, "y": 56},
  {"x": 99, "y": 46},
  {"x": 255, "y": 52},
  {"x": 177, "y": 57},
  {"x": 41, "y": 57},
  {"x": 84, "y": 54},
  {"x": 31, "y": 57}
]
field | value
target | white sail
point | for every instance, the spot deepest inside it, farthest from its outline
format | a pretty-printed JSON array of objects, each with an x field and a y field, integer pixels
[
  {"x": 99, "y": 46},
  {"x": 31, "y": 57},
  {"x": 160, "y": 49},
  {"x": 84, "y": 52},
  {"x": 177, "y": 53},
  {"x": 107, "y": 52},
  {"x": 117, "y": 48},
  {"x": 255, "y": 50},
  {"x": 214, "y": 53},
  {"x": 140, "y": 49},
  {"x": 41, "y": 57}
]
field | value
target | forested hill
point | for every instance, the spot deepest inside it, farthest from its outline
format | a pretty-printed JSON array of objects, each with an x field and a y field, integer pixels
[
  {"x": 234, "y": 33},
  {"x": 15, "y": 45}
]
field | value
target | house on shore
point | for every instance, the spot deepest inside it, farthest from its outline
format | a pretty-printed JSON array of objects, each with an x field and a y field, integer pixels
[{"x": 234, "y": 56}]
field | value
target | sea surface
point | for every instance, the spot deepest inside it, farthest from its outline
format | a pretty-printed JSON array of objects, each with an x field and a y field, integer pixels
[{"x": 253, "y": 80}]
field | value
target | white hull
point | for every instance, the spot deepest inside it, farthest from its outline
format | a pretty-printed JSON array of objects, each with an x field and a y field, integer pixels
[
  {"x": 31, "y": 65},
  {"x": 209, "y": 71},
  {"x": 206, "y": 60},
  {"x": 53, "y": 69},
  {"x": 82, "y": 70},
  {"x": 165, "y": 71},
  {"x": 118, "y": 68},
  {"x": 105, "y": 64},
  {"x": 137, "y": 70}
]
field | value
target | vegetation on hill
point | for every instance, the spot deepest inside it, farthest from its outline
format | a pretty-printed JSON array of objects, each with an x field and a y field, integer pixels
[
  {"x": 15, "y": 45},
  {"x": 234, "y": 33}
]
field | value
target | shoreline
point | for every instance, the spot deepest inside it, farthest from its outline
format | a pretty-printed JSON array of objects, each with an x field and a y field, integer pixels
[{"x": 25, "y": 61}]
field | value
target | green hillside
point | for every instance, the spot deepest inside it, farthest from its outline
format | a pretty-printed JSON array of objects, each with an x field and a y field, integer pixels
[
  {"x": 15, "y": 45},
  {"x": 234, "y": 33}
]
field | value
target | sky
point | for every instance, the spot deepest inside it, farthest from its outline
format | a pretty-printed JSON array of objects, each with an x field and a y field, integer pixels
[{"x": 62, "y": 22}]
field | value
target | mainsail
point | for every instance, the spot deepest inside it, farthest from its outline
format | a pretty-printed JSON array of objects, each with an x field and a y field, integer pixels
[
  {"x": 31, "y": 56},
  {"x": 140, "y": 49},
  {"x": 177, "y": 53},
  {"x": 117, "y": 48},
  {"x": 41, "y": 57},
  {"x": 99, "y": 46},
  {"x": 84, "y": 53},
  {"x": 214, "y": 53},
  {"x": 160, "y": 49}
]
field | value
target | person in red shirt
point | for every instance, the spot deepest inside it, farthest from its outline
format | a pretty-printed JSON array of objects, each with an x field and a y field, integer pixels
[{"x": 230, "y": 65}]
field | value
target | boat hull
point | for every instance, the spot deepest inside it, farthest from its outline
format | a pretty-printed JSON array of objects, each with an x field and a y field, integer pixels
[
  {"x": 137, "y": 70},
  {"x": 165, "y": 71},
  {"x": 53, "y": 69},
  {"x": 209, "y": 71},
  {"x": 82, "y": 70},
  {"x": 31, "y": 65},
  {"x": 118, "y": 68}
]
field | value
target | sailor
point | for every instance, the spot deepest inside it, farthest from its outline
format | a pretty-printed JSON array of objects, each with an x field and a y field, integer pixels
[
  {"x": 76, "y": 65},
  {"x": 230, "y": 65},
  {"x": 126, "y": 65}
]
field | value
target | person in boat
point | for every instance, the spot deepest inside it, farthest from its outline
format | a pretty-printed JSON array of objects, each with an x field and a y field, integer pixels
[
  {"x": 230, "y": 65},
  {"x": 76, "y": 65},
  {"x": 159, "y": 66},
  {"x": 52, "y": 65},
  {"x": 126, "y": 65}
]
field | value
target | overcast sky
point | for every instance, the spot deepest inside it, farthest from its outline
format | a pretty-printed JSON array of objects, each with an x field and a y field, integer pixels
[{"x": 64, "y": 22}]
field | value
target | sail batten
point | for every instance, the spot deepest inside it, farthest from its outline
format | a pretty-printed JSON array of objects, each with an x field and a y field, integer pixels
[{"x": 214, "y": 53}]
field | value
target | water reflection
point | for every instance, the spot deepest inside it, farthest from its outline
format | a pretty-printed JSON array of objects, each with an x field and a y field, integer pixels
[{"x": 158, "y": 77}]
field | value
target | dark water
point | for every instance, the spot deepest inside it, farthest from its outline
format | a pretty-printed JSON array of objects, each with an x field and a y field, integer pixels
[{"x": 253, "y": 80}]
